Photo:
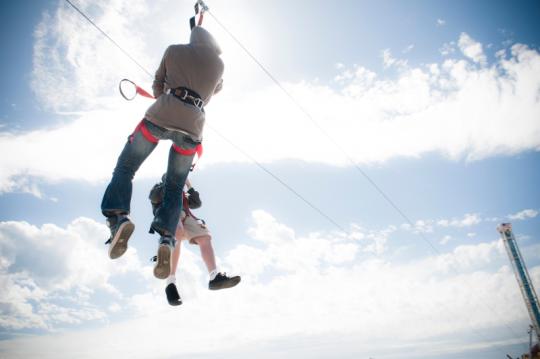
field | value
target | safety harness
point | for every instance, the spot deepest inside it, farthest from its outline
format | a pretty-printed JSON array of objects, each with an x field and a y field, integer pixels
[
  {"x": 188, "y": 96},
  {"x": 141, "y": 127}
]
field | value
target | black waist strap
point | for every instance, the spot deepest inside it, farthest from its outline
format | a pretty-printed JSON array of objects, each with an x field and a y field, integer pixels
[{"x": 188, "y": 96}]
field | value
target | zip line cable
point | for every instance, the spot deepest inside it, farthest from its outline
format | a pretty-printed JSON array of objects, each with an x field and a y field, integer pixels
[
  {"x": 336, "y": 143},
  {"x": 283, "y": 183},
  {"x": 310, "y": 117},
  {"x": 110, "y": 39},
  {"x": 325, "y": 133}
]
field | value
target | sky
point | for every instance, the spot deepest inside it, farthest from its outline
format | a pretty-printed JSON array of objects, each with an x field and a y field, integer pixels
[{"x": 358, "y": 199}]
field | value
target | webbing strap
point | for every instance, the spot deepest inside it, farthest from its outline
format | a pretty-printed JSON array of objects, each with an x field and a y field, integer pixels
[
  {"x": 138, "y": 90},
  {"x": 199, "y": 151},
  {"x": 141, "y": 127},
  {"x": 198, "y": 11},
  {"x": 187, "y": 210},
  {"x": 188, "y": 152},
  {"x": 201, "y": 16},
  {"x": 185, "y": 206},
  {"x": 142, "y": 92}
]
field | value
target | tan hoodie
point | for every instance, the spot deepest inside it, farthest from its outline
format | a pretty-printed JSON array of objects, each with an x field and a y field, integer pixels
[{"x": 196, "y": 66}]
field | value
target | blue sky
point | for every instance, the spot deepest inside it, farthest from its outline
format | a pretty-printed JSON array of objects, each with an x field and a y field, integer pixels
[{"x": 436, "y": 101}]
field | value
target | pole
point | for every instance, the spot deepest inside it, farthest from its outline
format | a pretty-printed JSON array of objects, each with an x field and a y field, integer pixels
[{"x": 530, "y": 340}]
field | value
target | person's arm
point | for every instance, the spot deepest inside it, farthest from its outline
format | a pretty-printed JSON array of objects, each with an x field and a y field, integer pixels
[
  {"x": 158, "y": 87},
  {"x": 194, "y": 200},
  {"x": 156, "y": 196}
]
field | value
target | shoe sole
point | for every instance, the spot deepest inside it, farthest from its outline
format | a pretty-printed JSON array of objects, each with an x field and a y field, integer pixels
[
  {"x": 162, "y": 268},
  {"x": 119, "y": 243},
  {"x": 226, "y": 284},
  {"x": 175, "y": 304}
]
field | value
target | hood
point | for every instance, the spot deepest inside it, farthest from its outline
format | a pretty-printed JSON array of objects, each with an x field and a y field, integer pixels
[{"x": 200, "y": 36}]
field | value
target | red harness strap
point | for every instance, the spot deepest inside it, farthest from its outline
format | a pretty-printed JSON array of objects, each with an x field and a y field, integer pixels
[
  {"x": 188, "y": 152},
  {"x": 187, "y": 211},
  {"x": 185, "y": 206},
  {"x": 185, "y": 152},
  {"x": 142, "y": 92},
  {"x": 145, "y": 132}
]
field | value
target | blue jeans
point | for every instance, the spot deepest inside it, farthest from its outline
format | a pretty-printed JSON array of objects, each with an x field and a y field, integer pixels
[{"x": 141, "y": 143}]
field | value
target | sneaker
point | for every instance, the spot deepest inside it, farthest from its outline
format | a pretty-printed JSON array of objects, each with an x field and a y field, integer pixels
[
  {"x": 162, "y": 269},
  {"x": 155, "y": 227},
  {"x": 172, "y": 295},
  {"x": 221, "y": 281},
  {"x": 121, "y": 229}
]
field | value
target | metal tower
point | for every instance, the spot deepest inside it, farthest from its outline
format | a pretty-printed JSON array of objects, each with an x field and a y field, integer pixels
[{"x": 522, "y": 275}]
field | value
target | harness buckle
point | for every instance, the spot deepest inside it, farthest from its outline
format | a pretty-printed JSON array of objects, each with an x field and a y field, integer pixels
[
  {"x": 184, "y": 95},
  {"x": 198, "y": 102}
]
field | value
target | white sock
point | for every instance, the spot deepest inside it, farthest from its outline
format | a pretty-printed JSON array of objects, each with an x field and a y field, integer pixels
[
  {"x": 213, "y": 274},
  {"x": 171, "y": 279}
]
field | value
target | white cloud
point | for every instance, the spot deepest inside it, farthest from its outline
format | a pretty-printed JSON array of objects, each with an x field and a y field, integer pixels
[
  {"x": 423, "y": 226},
  {"x": 428, "y": 225},
  {"x": 305, "y": 287},
  {"x": 389, "y": 61},
  {"x": 70, "y": 55},
  {"x": 441, "y": 22},
  {"x": 445, "y": 239},
  {"x": 448, "y": 48},
  {"x": 523, "y": 215},
  {"x": 454, "y": 108},
  {"x": 471, "y": 48},
  {"x": 287, "y": 252},
  {"x": 408, "y": 49},
  {"x": 468, "y": 220},
  {"x": 48, "y": 274}
]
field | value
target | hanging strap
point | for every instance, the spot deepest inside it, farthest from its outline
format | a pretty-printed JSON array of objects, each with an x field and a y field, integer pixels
[
  {"x": 141, "y": 127},
  {"x": 138, "y": 90},
  {"x": 189, "y": 152},
  {"x": 187, "y": 210},
  {"x": 199, "y": 151},
  {"x": 200, "y": 9},
  {"x": 142, "y": 92}
]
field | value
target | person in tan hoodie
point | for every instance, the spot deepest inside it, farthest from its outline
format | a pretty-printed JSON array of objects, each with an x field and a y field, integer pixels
[{"x": 187, "y": 78}]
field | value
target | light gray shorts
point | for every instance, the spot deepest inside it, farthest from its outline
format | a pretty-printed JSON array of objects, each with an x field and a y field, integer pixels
[{"x": 192, "y": 229}]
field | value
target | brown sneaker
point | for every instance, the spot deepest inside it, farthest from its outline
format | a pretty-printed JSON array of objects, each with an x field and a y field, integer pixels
[
  {"x": 162, "y": 269},
  {"x": 121, "y": 230}
]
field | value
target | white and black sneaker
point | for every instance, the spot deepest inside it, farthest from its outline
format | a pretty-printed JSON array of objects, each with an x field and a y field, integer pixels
[
  {"x": 162, "y": 269},
  {"x": 222, "y": 281},
  {"x": 173, "y": 297},
  {"x": 121, "y": 229}
]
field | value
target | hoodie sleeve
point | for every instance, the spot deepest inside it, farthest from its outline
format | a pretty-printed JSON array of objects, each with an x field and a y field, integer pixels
[
  {"x": 219, "y": 86},
  {"x": 159, "y": 78}
]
